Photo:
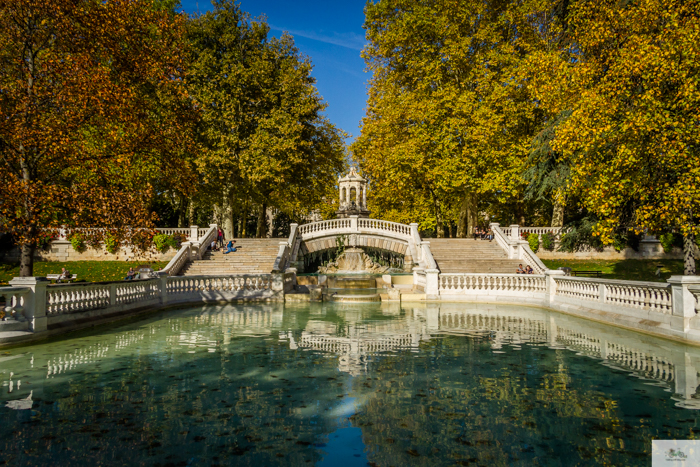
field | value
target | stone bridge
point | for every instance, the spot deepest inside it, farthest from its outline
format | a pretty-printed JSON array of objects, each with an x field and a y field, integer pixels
[{"x": 360, "y": 232}]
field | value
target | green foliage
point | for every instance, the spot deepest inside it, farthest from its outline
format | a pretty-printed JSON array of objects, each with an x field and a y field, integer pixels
[
  {"x": 667, "y": 241},
  {"x": 111, "y": 244},
  {"x": 534, "y": 240},
  {"x": 264, "y": 138},
  {"x": 90, "y": 271},
  {"x": 77, "y": 241},
  {"x": 340, "y": 242},
  {"x": 164, "y": 242},
  {"x": 625, "y": 269},
  {"x": 548, "y": 241},
  {"x": 578, "y": 236}
]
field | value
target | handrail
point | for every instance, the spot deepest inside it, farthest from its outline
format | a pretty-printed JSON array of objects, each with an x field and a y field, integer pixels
[
  {"x": 179, "y": 260},
  {"x": 205, "y": 239},
  {"x": 519, "y": 248}
]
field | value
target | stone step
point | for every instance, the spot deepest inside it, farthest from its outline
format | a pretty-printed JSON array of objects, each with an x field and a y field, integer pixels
[{"x": 466, "y": 255}]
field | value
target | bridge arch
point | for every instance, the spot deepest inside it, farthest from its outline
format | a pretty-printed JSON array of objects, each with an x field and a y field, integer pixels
[{"x": 361, "y": 232}]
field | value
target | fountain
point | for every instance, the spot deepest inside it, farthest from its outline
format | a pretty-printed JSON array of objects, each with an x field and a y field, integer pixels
[{"x": 353, "y": 261}]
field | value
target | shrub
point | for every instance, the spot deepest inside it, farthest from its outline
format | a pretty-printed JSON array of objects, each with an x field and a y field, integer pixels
[
  {"x": 534, "y": 240},
  {"x": 667, "y": 242},
  {"x": 111, "y": 244},
  {"x": 78, "y": 242},
  {"x": 179, "y": 239},
  {"x": 548, "y": 241},
  {"x": 163, "y": 242},
  {"x": 45, "y": 239}
]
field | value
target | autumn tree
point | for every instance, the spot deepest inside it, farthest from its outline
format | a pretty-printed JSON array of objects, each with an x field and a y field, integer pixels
[
  {"x": 266, "y": 141},
  {"x": 94, "y": 112},
  {"x": 449, "y": 121},
  {"x": 629, "y": 79}
]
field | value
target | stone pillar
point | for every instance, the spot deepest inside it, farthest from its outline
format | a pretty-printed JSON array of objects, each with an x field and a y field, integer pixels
[
  {"x": 193, "y": 233},
  {"x": 551, "y": 284},
  {"x": 431, "y": 283},
  {"x": 515, "y": 232},
  {"x": 684, "y": 304},
  {"x": 353, "y": 224},
  {"x": 364, "y": 197},
  {"x": 112, "y": 294},
  {"x": 163, "y": 289},
  {"x": 34, "y": 301},
  {"x": 277, "y": 285}
]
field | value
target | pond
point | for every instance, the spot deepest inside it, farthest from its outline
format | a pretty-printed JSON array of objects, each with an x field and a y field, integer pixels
[{"x": 347, "y": 384}]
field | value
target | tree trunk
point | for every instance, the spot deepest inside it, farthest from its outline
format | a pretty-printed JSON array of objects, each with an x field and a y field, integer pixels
[
  {"x": 558, "y": 209},
  {"x": 689, "y": 254},
  {"x": 181, "y": 212},
  {"x": 227, "y": 215},
  {"x": 244, "y": 221},
  {"x": 262, "y": 221},
  {"x": 26, "y": 262},
  {"x": 467, "y": 216},
  {"x": 190, "y": 213}
]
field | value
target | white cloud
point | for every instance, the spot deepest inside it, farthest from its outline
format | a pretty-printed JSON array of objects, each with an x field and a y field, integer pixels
[{"x": 348, "y": 40}]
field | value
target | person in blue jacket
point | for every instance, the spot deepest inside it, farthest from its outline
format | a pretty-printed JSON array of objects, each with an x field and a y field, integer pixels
[{"x": 229, "y": 247}]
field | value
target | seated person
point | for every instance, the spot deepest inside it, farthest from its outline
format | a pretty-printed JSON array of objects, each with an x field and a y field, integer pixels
[
  {"x": 213, "y": 247},
  {"x": 529, "y": 270},
  {"x": 520, "y": 269},
  {"x": 229, "y": 247},
  {"x": 476, "y": 233},
  {"x": 64, "y": 275},
  {"x": 131, "y": 275},
  {"x": 489, "y": 235}
]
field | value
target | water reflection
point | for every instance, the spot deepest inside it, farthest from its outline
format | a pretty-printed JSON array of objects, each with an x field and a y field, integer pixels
[{"x": 385, "y": 384}]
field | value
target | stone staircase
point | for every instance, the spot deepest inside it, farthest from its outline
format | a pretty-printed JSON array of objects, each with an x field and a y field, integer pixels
[
  {"x": 253, "y": 256},
  {"x": 466, "y": 255}
]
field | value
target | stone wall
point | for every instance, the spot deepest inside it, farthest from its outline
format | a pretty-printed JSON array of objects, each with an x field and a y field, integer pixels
[
  {"x": 647, "y": 250},
  {"x": 62, "y": 250}
]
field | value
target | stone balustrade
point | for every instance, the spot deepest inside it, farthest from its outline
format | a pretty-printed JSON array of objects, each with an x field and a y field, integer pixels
[
  {"x": 472, "y": 283},
  {"x": 323, "y": 226},
  {"x": 509, "y": 239},
  {"x": 628, "y": 294},
  {"x": 14, "y": 303},
  {"x": 384, "y": 226}
]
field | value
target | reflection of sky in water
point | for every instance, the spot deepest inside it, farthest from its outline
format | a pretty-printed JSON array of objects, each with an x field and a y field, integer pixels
[{"x": 346, "y": 385}]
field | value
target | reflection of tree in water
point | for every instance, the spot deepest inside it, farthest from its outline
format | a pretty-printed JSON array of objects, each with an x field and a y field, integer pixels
[
  {"x": 249, "y": 404},
  {"x": 495, "y": 411}
]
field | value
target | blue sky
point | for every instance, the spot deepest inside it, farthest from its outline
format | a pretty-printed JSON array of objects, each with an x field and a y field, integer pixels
[{"x": 329, "y": 33}]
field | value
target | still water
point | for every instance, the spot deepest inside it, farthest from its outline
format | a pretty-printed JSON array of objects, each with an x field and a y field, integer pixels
[{"x": 341, "y": 384}]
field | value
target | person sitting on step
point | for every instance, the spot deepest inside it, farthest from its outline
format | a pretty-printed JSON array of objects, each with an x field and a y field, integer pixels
[
  {"x": 529, "y": 270},
  {"x": 229, "y": 247},
  {"x": 520, "y": 269}
]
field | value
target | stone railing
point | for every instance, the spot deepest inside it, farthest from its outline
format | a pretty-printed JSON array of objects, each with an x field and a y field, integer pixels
[
  {"x": 394, "y": 228},
  {"x": 324, "y": 226},
  {"x": 36, "y": 305},
  {"x": 14, "y": 302},
  {"x": 181, "y": 258},
  {"x": 491, "y": 283},
  {"x": 171, "y": 231},
  {"x": 356, "y": 226},
  {"x": 509, "y": 239},
  {"x": 189, "y": 285},
  {"x": 541, "y": 230},
  {"x": 652, "y": 296}
]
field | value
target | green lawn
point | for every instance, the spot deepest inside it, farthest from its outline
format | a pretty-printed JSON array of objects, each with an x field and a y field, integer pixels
[
  {"x": 626, "y": 269},
  {"x": 91, "y": 271}
]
